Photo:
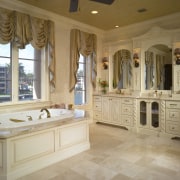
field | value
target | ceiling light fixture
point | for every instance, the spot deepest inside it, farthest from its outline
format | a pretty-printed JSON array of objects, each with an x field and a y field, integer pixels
[
  {"x": 116, "y": 26},
  {"x": 94, "y": 12}
]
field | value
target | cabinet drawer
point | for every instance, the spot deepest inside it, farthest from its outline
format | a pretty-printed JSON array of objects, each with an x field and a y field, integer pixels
[
  {"x": 97, "y": 115},
  {"x": 97, "y": 98},
  {"x": 127, "y": 101},
  {"x": 172, "y": 104},
  {"x": 127, "y": 120},
  {"x": 97, "y": 106},
  {"x": 173, "y": 114},
  {"x": 125, "y": 109},
  {"x": 172, "y": 128}
]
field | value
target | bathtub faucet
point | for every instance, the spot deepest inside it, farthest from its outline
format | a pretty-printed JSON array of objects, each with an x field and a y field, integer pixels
[{"x": 48, "y": 113}]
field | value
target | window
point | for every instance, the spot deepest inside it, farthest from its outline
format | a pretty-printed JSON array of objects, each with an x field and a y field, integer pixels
[
  {"x": 20, "y": 73},
  {"x": 29, "y": 73},
  {"x": 80, "y": 87}
]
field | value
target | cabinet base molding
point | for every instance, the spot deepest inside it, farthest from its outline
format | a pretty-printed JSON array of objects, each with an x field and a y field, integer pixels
[
  {"x": 176, "y": 138},
  {"x": 113, "y": 125}
]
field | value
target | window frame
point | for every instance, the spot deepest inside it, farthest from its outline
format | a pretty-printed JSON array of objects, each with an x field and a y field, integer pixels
[
  {"x": 14, "y": 59},
  {"x": 89, "y": 90}
]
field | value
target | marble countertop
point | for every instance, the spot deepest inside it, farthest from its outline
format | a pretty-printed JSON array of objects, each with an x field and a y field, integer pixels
[{"x": 174, "y": 97}]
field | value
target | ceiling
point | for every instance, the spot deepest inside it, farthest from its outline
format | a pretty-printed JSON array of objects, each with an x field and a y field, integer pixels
[{"x": 121, "y": 12}]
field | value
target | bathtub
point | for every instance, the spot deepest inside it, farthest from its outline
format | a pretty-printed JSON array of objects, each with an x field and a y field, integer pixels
[
  {"x": 16, "y": 123},
  {"x": 30, "y": 141}
]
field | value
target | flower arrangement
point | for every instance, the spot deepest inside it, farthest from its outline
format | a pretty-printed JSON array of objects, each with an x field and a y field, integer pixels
[{"x": 103, "y": 84}]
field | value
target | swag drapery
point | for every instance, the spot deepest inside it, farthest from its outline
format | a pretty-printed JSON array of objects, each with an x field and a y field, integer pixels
[
  {"x": 122, "y": 60},
  {"x": 85, "y": 44},
  {"x": 149, "y": 61},
  {"x": 22, "y": 29},
  {"x": 159, "y": 68}
]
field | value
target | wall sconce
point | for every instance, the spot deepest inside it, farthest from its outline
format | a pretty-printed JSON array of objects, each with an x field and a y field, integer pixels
[
  {"x": 177, "y": 54},
  {"x": 136, "y": 60},
  {"x": 105, "y": 63}
]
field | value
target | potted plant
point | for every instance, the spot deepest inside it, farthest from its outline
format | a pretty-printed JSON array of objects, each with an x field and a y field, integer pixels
[{"x": 103, "y": 84}]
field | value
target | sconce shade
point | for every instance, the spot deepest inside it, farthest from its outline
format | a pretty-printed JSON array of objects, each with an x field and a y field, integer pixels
[
  {"x": 136, "y": 60},
  {"x": 105, "y": 62},
  {"x": 105, "y": 59},
  {"x": 177, "y": 54},
  {"x": 135, "y": 56},
  {"x": 177, "y": 51}
]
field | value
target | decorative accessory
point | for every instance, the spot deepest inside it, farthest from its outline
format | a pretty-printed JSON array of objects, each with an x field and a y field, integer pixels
[
  {"x": 103, "y": 85},
  {"x": 177, "y": 54},
  {"x": 136, "y": 60}
]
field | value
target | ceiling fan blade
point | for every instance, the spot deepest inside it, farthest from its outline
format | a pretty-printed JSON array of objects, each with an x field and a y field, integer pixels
[
  {"x": 73, "y": 6},
  {"x": 104, "y": 1}
]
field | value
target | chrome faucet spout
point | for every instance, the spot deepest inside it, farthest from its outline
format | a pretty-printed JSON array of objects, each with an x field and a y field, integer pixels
[{"x": 47, "y": 111}]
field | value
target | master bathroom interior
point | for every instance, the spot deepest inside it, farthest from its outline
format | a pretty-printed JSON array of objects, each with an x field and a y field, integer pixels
[{"x": 89, "y": 89}]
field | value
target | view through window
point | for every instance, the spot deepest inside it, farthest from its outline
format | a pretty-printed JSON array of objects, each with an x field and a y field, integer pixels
[
  {"x": 80, "y": 87},
  {"x": 27, "y": 85}
]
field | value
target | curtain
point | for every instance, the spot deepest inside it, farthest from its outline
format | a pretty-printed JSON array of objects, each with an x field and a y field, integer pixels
[
  {"x": 23, "y": 29},
  {"x": 159, "y": 68},
  {"x": 121, "y": 61},
  {"x": 85, "y": 44}
]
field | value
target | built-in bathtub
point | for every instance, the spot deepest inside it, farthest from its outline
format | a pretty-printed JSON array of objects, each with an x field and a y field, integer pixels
[
  {"x": 30, "y": 141},
  {"x": 16, "y": 123}
]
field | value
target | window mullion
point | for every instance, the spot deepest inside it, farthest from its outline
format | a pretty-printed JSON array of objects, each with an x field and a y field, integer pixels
[{"x": 15, "y": 72}]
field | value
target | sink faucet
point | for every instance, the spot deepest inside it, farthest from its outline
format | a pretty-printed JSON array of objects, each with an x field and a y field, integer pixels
[{"x": 48, "y": 113}]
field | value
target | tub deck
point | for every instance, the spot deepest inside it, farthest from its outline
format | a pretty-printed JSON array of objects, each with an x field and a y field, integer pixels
[{"x": 18, "y": 123}]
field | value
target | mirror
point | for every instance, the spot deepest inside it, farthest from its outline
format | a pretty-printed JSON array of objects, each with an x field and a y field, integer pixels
[
  {"x": 122, "y": 69},
  {"x": 158, "y": 68}
]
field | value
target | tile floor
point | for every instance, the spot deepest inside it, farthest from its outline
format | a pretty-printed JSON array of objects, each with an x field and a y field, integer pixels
[{"x": 117, "y": 154}]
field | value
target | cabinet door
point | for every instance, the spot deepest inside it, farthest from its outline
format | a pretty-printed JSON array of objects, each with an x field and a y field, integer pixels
[
  {"x": 143, "y": 114},
  {"x": 115, "y": 110},
  {"x": 105, "y": 109},
  {"x": 154, "y": 121}
]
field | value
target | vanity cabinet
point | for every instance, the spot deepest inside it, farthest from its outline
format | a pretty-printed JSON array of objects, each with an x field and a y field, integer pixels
[
  {"x": 114, "y": 110},
  {"x": 111, "y": 110},
  {"x": 173, "y": 117},
  {"x": 97, "y": 106},
  {"x": 127, "y": 111},
  {"x": 149, "y": 114}
]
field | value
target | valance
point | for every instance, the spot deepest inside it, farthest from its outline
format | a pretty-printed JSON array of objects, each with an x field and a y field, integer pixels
[
  {"x": 22, "y": 29},
  {"x": 85, "y": 44}
]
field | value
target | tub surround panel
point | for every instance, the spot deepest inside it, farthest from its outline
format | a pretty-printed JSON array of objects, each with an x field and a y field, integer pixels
[
  {"x": 31, "y": 146},
  {"x": 67, "y": 138},
  {"x": 32, "y": 150}
]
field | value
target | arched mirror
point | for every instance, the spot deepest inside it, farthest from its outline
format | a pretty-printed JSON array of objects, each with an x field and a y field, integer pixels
[
  {"x": 158, "y": 68},
  {"x": 122, "y": 69}
]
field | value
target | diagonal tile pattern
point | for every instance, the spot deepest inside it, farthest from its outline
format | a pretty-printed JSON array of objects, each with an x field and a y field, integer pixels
[{"x": 117, "y": 154}]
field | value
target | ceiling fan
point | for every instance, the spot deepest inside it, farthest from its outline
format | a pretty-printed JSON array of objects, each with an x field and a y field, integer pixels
[{"x": 74, "y": 4}]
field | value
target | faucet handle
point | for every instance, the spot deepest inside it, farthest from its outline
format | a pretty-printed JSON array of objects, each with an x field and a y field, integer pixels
[{"x": 29, "y": 118}]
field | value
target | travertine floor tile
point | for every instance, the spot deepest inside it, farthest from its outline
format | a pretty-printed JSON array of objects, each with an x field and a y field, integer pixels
[{"x": 117, "y": 154}]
